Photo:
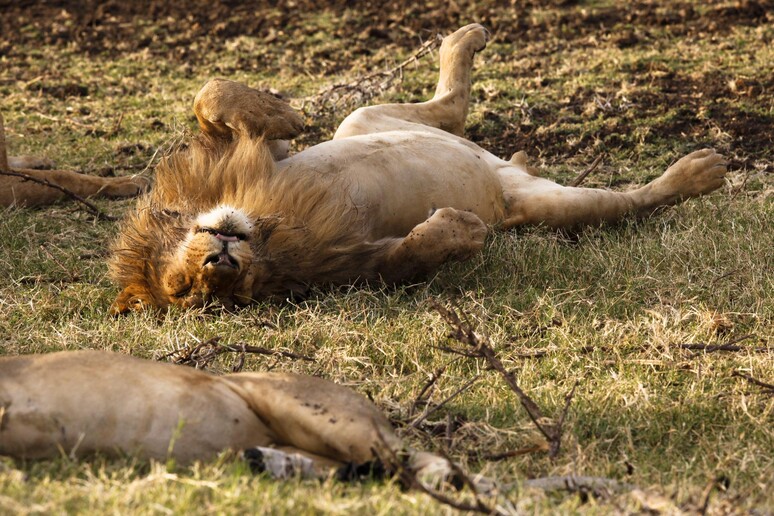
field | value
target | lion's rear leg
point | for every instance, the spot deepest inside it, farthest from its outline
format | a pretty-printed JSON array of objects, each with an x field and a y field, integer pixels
[
  {"x": 448, "y": 234},
  {"x": 532, "y": 200},
  {"x": 447, "y": 110},
  {"x": 319, "y": 426}
]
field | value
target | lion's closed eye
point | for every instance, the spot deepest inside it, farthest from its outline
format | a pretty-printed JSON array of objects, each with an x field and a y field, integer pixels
[{"x": 183, "y": 290}]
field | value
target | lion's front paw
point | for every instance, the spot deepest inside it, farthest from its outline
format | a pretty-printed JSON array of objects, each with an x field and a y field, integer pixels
[
  {"x": 450, "y": 234},
  {"x": 225, "y": 107},
  {"x": 696, "y": 174}
]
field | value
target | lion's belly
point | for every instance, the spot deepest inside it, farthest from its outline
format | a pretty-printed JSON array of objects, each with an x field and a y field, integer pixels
[{"x": 395, "y": 180}]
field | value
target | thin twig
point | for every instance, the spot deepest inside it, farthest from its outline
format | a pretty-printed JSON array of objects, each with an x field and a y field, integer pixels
[
  {"x": 769, "y": 388},
  {"x": 728, "y": 346},
  {"x": 91, "y": 128},
  {"x": 116, "y": 126},
  {"x": 427, "y": 413},
  {"x": 554, "y": 446},
  {"x": 578, "y": 180},
  {"x": 364, "y": 87},
  {"x": 433, "y": 378},
  {"x": 73, "y": 276},
  {"x": 496, "y": 457},
  {"x": 92, "y": 209},
  {"x": 203, "y": 354},
  {"x": 599, "y": 486}
]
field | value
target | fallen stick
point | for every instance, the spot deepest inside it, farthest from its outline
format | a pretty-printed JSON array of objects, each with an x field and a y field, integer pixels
[
  {"x": 728, "y": 346},
  {"x": 769, "y": 388},
  {"x": 203, "y": 354},
  {"x": 600, "y": 486},
  {"x": 364, "y": 85},
  {"x": 583, "y": 175},
  {"x": 464, "y": 333},
  {"x": 453, "y": 395}
]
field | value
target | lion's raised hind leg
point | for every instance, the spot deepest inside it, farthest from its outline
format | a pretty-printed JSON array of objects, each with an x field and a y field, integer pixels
[{"x": 448, "y": 108}]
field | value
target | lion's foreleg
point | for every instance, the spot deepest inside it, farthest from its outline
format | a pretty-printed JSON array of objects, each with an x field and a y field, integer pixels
[
  {"x": 448, "y": 234},
  {"x": 228, "y": 109}
]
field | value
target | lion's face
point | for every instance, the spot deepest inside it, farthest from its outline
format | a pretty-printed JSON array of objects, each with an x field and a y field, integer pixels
[{"x": 212, "y": 262}]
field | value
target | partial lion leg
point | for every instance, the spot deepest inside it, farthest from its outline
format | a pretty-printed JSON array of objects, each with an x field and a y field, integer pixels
[
  {"x": 532, "y": 200},
  {"x": 448, "y": 234},
  {"x": 16, "y": 191},
  {"x": 447, "y": 110},
  {"x": 88, "y": 402}
]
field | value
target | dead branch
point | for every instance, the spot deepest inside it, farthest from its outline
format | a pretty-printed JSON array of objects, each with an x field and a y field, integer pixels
[
  {"x": 360, "y": 90},
  {"x": 464, "y": 333},
  {"x": 768, "y": 388},
  {"x": 496, "y": 457},
  {"x": 728, "y": 346},
  {"x": 453, "y": 395},
  {"x": 428, "y": 385},
  {"x": 554, "y": 446},
  {"x": 73, "y": 276},
  {"x": 204, "y": 354},
  {"x": 91, "y": 208},
  {"x": 116, "y": 126},
  {"x": 3, "y": 152},
  {"x": 578, "y": 180}
]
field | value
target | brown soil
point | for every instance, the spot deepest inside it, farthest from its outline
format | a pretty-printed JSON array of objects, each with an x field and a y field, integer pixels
[{"x": 192, "y": 30}]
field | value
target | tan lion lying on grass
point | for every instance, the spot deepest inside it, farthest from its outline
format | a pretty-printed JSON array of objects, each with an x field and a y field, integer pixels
[
  {"x": 18, "y": 191},
  {"x": 396, "y": 193},
  {"x": 86, "y": 402}
]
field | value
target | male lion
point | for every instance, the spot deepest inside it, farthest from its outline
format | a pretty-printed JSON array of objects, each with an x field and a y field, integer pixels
[
  {"x": 16, "y": 190},
  {"x": 85, "y": 402},
  {"x": 395, "y": 194}
]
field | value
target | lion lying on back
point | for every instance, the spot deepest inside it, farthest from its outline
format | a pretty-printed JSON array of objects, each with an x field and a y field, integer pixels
[{"x": 395, "y": 194}]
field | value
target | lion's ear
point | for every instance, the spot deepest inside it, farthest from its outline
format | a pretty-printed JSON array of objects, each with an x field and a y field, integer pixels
[{"x": 132, "y": 299}]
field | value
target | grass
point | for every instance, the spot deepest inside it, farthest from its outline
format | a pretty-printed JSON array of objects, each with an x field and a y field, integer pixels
[{"x": 608, "y": 308}]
